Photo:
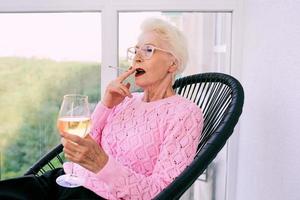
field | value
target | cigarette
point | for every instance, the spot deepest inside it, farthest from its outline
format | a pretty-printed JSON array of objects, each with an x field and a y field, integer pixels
[{"x": 117, "y": 68}]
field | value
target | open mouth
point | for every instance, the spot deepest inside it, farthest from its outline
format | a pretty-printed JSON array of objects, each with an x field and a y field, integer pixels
[{"x": 139, "y": 72}]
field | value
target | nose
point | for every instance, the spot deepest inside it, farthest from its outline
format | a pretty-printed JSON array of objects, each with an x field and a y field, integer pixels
[{"x": 138, "y": 57}]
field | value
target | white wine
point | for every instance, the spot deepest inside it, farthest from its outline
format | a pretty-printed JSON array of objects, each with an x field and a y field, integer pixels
[
  {"x": 73, "y": 118},
  {"x": 79, "y": 126}
]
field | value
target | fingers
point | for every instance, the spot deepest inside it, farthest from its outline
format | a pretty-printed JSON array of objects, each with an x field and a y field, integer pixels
[
  {"x": 74, "y": 138},
  {"x": 73, "y": 151},
  {"x": 118, "y": 87},
  {"x": 127, "y": 85},
  {"x": 89, "y": 138},
  {"x": 70, "y": 146},
  {"x": 123, "y": 76},
  {"x": 91, "y": 156},
  {"x": 125, "y": 90},
  {"x": 121, "y": 89}
]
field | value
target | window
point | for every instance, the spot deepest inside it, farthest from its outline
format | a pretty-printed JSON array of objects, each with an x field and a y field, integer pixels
[
  {"x": 209, "y": 39},
  {"x": 218, "y": 21},
  {"x": 43, "y": 57}
]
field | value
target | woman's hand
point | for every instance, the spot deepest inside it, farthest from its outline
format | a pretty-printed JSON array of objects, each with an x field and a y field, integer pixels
[
  {"x": 84, "y": 151},
  {"x": 116, "y": 90}
]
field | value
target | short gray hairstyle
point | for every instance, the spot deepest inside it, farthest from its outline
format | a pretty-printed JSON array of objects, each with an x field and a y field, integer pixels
[{"x": 172, "y": 36}]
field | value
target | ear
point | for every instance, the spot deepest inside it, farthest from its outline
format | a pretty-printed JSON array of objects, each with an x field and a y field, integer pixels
[{"x": 172, "y": 67}]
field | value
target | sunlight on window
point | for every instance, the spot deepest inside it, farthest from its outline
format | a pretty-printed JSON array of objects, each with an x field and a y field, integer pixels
[
  {"x": 58, "y": 36},
  {"x": 42, "y": 57}
]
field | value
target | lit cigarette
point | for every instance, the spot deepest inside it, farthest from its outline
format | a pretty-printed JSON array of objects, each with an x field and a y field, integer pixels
[{"x": 117, "y": 68}]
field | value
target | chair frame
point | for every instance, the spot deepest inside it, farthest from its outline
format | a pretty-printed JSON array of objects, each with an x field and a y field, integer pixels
[
  {"x": 215, "y": 135},
  {"x": 221, "y": 99}
]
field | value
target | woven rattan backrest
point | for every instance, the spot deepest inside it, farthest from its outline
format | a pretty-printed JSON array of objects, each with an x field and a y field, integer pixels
[{"x": 212, "y": 96}]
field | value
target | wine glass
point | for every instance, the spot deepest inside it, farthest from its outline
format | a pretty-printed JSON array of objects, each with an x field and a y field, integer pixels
[{"x": 74, "y": 118}]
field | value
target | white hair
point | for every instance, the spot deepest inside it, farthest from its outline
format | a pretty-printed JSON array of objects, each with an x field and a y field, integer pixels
[{"x": 172, "y": 36}]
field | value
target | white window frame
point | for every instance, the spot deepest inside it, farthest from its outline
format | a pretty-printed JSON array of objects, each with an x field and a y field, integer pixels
[{"x": 110, "y": 9}]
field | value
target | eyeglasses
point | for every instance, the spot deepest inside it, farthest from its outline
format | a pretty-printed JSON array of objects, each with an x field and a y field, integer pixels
[{"x": 146, "y": 51}]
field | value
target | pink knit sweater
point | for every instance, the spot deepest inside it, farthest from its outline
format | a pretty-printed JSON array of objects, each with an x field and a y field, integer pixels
[{"x": 148, "y": 144}]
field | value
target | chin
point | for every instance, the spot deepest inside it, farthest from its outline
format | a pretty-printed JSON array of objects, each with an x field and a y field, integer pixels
[{"x": 141, "y": 84}]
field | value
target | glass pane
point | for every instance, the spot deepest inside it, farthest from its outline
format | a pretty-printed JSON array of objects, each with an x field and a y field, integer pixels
[
  {"x": 42, "y": 57},
  {"x": 209, "y": 39}
]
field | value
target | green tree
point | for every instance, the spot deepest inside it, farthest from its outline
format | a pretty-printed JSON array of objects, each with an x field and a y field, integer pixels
[{"x": 31, "y": 94}]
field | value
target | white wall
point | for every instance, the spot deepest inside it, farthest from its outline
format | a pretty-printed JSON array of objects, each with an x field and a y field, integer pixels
[{"x": 269, "y": 145}]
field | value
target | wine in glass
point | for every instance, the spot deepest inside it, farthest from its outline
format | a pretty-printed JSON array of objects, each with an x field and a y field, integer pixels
[{"x": 74, "y": 118}]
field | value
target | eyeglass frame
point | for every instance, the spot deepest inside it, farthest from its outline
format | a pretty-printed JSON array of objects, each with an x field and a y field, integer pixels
[{"x": 154, "y": 49}]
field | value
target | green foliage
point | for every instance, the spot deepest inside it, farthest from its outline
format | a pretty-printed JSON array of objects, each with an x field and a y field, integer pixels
[{"x": 31, "y": 92}]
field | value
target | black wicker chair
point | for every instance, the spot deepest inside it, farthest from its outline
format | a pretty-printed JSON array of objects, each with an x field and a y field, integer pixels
[{"x": 221, "y": 99}]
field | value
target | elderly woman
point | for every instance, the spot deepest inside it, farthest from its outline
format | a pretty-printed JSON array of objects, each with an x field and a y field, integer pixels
[{"x": 139, "y": 142}]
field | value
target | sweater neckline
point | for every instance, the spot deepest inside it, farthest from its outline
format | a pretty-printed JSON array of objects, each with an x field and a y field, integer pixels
[{"x": 159, "y": 101}]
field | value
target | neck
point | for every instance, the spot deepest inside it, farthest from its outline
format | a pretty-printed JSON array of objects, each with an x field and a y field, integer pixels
[{"x": 154, "y": 94}]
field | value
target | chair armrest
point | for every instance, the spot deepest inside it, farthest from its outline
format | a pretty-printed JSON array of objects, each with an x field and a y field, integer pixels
[{"x": 46, "y": 161}]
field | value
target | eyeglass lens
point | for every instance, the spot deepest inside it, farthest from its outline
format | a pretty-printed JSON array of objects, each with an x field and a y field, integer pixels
[{"x": 146, "y": 51}]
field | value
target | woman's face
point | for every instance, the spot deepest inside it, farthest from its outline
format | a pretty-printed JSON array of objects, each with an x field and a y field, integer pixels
[{"x": 154, "y": 69}]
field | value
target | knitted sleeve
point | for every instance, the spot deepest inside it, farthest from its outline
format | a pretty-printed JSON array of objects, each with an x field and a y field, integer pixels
[
  {"x": 176, "y": 153},
  {"x": 99, "y": 118}
]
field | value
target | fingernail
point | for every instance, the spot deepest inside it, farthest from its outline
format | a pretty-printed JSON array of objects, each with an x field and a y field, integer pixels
[{"x": 130, "y": 68}]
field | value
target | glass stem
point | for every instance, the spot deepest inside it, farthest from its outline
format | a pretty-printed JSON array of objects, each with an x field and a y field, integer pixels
[{"x": 72, "y": 169}]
